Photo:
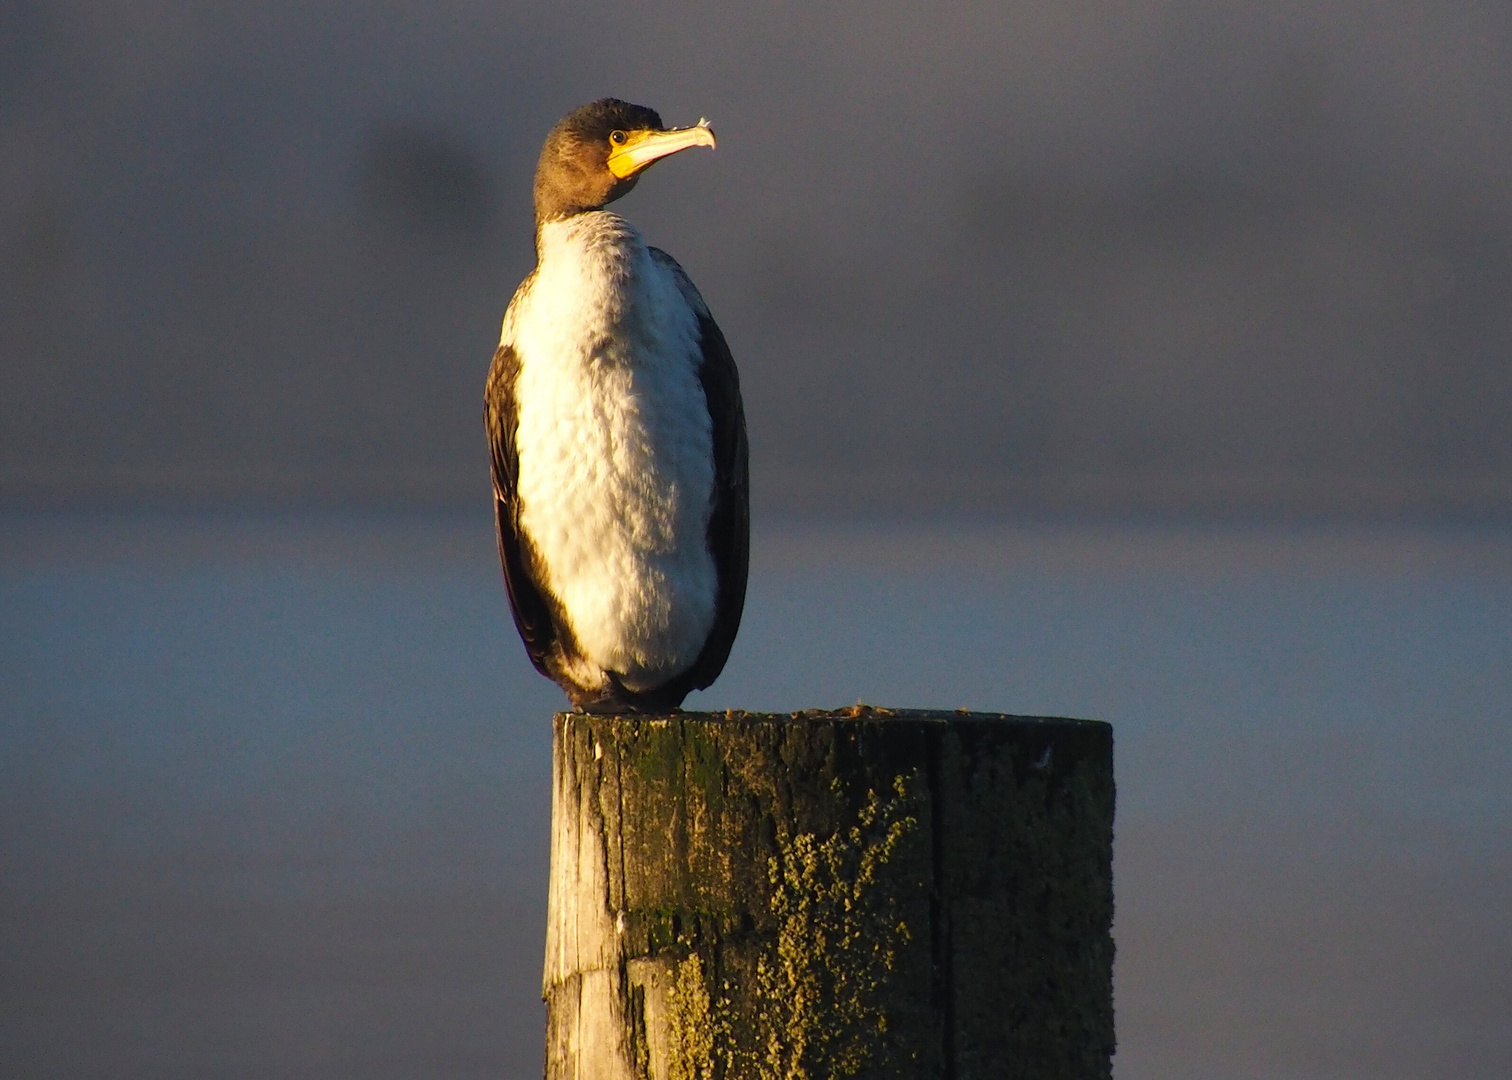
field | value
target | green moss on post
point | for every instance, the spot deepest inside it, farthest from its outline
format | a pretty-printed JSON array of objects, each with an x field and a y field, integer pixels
[{"x": 864, "y": 893}]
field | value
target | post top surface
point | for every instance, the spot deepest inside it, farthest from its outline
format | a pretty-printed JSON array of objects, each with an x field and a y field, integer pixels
[{"x": 858, "y": 712}]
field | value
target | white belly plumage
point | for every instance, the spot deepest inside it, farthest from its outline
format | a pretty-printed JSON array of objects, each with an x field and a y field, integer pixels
[{"x": 615, "y": 449}]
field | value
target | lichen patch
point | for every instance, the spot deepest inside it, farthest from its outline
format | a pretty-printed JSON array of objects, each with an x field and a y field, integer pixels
[{"x": 838, "y": 937}]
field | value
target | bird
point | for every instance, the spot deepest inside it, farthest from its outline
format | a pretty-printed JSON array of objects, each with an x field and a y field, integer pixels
[{"x": 618, "y": 438}]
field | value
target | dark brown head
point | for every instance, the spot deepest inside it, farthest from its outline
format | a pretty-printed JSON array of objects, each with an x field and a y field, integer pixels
[{"x": 599, "y": 150}]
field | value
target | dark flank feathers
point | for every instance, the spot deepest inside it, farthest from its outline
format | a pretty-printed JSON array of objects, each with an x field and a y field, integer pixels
[
  {"x": 729, "y": 534},
  {"x": 540, "y": 624}
]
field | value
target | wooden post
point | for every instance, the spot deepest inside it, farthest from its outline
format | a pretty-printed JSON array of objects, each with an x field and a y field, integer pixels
[{"x": 863, "y": 893}]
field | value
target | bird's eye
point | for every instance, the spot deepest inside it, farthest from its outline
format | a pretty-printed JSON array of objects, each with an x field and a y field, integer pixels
[{"x": 618, "y": 138}]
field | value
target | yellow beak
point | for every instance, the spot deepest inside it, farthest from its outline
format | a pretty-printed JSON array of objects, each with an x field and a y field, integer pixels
[{"x": 641, "y": 148}]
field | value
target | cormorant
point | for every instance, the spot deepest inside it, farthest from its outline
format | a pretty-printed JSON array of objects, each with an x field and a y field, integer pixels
[{"x": 613, "y": 412}]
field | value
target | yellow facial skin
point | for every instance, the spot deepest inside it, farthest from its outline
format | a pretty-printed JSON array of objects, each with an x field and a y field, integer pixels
[{"x": 632, "y": 151}]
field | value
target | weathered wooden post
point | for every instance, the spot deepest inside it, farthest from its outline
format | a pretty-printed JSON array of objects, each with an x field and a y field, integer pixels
[{"x": 864, "y": 893}]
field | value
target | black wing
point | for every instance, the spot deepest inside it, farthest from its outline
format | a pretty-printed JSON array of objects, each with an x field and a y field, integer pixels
[
  {"x": 729, "y": 533},
  {"x": 533, "y": 614}
]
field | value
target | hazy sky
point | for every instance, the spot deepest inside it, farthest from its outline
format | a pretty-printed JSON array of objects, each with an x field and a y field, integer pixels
[{"x": 980, "y": 254}]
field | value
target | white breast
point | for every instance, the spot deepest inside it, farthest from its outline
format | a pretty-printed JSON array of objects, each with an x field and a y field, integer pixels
[{"x": 615, "y": 449}]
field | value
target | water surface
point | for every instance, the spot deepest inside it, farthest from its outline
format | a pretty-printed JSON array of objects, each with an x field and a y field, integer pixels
[{"x": 274, "y": 788}]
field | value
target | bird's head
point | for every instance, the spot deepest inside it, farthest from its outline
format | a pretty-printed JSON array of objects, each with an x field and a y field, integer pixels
[{"x": 598, "y": 151}]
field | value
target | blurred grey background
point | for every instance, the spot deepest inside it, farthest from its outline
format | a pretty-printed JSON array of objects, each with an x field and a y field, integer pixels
[{"x": 972, "y": 256}]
